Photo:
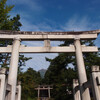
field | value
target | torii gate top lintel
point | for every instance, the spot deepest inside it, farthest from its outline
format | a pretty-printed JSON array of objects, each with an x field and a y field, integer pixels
[
  {"x": 48, "y": 33},
  {"x": 29, "y": 35}
]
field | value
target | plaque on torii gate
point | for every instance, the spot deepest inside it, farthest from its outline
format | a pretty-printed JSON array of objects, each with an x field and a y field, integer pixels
[{"x": 16, "y": 48}]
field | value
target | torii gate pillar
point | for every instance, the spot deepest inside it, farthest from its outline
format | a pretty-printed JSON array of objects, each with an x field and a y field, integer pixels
[
  {"x": 81, "y": 70},
  {"x": 76, "y": 91},
  {"x": 95, "y": 75},
  {"x": 12, "y": 78}
]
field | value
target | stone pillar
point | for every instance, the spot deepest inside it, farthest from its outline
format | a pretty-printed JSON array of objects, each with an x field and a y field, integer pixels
[
  {"x": 49, "y": 91},
  {"x": 8, "y": 91},
  {"x": 2, "y": 83},
  {"x": 12, "y": 77},
  {"x": 76, "y": 91},
  {"x": 18, "y": 94},
  {"x": 95, "y": 75},
  {"x": 81, "y": 70},
  {"x": 38, "y": 93}
]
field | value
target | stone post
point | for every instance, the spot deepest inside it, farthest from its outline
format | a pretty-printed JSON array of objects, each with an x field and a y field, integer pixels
[
  {"x": 95, "y": 75},
  {"x": 18, "y": 94},
  {"x": 12, "y": 77},
  {"x": 2, "y": 83},
  {"x": 81, "y": 70},
  {"x": 38, "y": 93},
  {"x": 49, "y": 92},
  {"x": 76, "y": 91}
]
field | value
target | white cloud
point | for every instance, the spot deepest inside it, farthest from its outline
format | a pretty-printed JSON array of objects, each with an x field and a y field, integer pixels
[
  {"x": 38, "y": 60},
  {"x": 28, "y": 9},
  {"x": 33, "y": 43},
  {"x": 28, "y": 26},
  {"x": 77, "y": 24}
]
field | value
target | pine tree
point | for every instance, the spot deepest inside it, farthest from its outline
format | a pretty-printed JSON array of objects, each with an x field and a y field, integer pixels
[
  {"x": 30, "y": 80},
  {"x": 7, "y": 23}
]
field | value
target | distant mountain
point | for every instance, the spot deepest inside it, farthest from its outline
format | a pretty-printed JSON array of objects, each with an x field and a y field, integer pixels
[{"x": 42, "y": 72}]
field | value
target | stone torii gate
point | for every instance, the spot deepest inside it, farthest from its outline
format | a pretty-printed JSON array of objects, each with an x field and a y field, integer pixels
[
  {"x": 16, "y": 48},
  {"x": 44, "y": 92}
]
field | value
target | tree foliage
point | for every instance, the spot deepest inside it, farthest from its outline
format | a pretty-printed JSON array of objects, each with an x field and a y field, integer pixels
[
  {"x": 7, "y": 23},
  {"x": 30, "y": 80},
  {"x": 60, "y": 75}
]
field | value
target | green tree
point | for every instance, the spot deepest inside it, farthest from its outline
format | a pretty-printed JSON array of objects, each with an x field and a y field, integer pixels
[
  {"x": 61, "y": 76},
  {"x": 7, "y": 23},
  {"x": 30, "y": 80}
]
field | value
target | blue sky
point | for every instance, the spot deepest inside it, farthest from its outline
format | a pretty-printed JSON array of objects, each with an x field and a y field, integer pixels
[
  {"x": 52, "y": 15},
  {"x": 56, "y": 15}
]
